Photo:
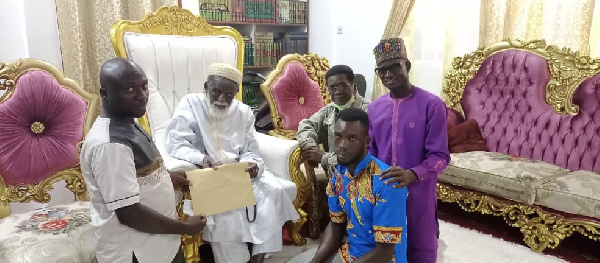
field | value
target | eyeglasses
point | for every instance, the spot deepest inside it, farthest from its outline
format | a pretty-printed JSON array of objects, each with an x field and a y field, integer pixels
[
  {"x": 394, "y": 68},
  {"x": 339, "y": 86}
]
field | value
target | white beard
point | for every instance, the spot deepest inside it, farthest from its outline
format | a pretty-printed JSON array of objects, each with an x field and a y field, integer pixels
[
  {"x": 215, "y": 112},
  {"x": 218, "y": 115}
]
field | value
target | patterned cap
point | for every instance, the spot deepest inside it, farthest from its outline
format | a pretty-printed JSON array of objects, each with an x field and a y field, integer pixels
[
  {"x": 226, "y": 71},
  {"x": 389, "y": 48}
]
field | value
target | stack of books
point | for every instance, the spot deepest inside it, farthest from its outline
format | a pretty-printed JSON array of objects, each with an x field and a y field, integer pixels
[{"x": 258, "y": 11}]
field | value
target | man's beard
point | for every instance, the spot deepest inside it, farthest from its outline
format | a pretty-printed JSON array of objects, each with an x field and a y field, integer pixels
[{"x": 215, "y": 112}]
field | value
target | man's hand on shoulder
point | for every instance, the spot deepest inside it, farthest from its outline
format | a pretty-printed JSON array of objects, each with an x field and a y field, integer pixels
[
  {"x": 196, "y": 224},
  {"x": 396, "y": 174},
  {"x": 179, "y": 180},
  {"x": 252, "y": 170}
]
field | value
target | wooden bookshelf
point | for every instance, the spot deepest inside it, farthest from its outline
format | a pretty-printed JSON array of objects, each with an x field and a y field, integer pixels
[
  {"x": 270, "y": 28},
  {"x": 259, "y": 67},
  {"x": 227, "y": 23}
]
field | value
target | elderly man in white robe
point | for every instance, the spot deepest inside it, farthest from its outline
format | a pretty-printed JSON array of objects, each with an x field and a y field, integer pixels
[{"x": 212, "y": 128}]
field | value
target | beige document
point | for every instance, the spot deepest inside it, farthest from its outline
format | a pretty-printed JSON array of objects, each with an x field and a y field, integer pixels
[{"x": 217, "y": 191}]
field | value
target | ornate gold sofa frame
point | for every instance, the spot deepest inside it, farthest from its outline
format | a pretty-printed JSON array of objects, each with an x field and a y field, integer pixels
[
  {"x": 58, "y": 111},
  {"x": 567, "y": 80},
  {"x": 311, "y": 70},
  {"x": 188, "y": 45}
]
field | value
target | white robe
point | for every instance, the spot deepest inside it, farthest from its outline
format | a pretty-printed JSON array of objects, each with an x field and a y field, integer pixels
[{"x": 194, "y": 133}]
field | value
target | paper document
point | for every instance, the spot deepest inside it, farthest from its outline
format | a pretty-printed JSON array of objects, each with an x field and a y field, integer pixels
[{"x": 217, "y": 191}]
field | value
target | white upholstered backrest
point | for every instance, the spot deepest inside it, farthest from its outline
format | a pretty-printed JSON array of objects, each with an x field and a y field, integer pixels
[{"x": 175, "y": 66}]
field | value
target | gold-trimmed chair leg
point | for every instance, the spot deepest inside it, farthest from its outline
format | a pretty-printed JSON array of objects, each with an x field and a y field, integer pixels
[
  {"x": 304, "y": 186},
  {"x": 295, "y": 227}
]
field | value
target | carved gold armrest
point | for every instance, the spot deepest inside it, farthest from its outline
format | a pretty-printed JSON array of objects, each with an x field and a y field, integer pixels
[{"x": 189, "y": 243}]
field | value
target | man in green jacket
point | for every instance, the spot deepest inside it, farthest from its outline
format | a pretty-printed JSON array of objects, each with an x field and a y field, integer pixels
[{"x": 318, "y": 129}]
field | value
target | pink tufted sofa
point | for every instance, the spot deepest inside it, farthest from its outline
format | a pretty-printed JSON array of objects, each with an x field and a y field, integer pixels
[{"x": 537, "y": 108}]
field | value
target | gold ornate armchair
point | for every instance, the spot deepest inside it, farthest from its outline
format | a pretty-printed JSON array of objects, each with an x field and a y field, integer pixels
[
  {"x": 536, "y": 107},
  {"x": 296, "y": 90},
  {"x": 45, "y": 118},
  {"x": 175, "y": 48}
]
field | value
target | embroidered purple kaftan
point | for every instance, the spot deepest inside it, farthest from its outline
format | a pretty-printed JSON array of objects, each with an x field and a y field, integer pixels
[{"x": 411, "y": 133}]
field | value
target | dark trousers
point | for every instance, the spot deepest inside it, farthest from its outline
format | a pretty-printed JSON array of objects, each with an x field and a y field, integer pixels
[{"x": 179, "y": 258}]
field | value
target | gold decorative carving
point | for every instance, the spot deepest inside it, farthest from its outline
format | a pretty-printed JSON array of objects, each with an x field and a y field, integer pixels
[
  {"x": 316, "y": 68},
  {"x": 7, "y": 81},
  {"x": 303, "y": 184},
  {"x": 39, "y": 192},
  {"x": 9, "y": 76},
  {"x": 189, "y": 243},
  {"x": 567, "y": 69},
  {"x": 174, "y": 20},
  {"x": 541, "y": 229},
  {"x": 37, "y": 127}
]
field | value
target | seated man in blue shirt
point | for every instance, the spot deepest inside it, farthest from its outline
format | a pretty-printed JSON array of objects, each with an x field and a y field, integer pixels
[{"x": 372, "y": 213}]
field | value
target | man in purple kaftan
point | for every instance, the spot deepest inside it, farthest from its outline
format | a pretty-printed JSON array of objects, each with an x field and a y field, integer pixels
[{"x": 408, "y": 132}]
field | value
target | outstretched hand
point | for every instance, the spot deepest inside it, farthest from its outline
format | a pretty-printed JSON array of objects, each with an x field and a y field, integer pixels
[
  {"x": 179, "y": 180},
  {"x": 396, "y": 174},
  {"x": 252, "y": 169},
  {"x": 196, "y": 224}
]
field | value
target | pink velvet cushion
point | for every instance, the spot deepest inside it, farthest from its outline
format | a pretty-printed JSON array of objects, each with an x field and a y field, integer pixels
[
  {"x": 297, "y": 96},
  {"x": 27, "y": 157},
  {"x": 507, "y": 99}
]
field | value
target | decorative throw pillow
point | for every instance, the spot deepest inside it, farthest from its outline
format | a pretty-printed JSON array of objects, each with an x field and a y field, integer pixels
[
  {"x": 454, "y": 118},
  {"x": 465, "y": 137}
]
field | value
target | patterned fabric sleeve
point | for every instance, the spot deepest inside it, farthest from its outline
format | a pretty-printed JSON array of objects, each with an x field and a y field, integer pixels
[
  {"x": 389, "y": 215},
  {"x": 336, "y": 212}
]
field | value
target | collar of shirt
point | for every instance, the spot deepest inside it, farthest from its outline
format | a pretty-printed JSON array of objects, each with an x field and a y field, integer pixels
[{"x": 361, "y": 165}]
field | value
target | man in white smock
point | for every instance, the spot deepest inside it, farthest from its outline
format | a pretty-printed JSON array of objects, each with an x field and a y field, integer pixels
[{"x": 212, "y": 128}]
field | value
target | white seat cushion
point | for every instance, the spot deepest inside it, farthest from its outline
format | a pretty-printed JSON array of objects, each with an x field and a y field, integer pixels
[
  {"x": 59, "y": 233},
  {"x": 577, "y": 193},
  {"x": 499, "y": 174}
]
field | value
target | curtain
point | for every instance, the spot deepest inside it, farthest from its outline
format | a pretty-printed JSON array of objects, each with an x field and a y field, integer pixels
[
  {"x": 434, "y": 36},
  {"x": 84, "y": 29},
  {"x": 559, "y": 22},
  {"x": 396, "y": 20},
  {"x": 595, "y": 32}
]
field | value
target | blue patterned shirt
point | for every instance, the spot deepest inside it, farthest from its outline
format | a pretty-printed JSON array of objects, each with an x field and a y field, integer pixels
[{"x": 374, "y": 212}]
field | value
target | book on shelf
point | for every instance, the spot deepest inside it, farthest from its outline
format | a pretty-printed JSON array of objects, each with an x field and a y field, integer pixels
[
  {"x": 266, "y": 49},
  {"x": 248, "y": 51},
  {"x": 215, "y": 10},
  {"x": 257, "y": 11},
  {"x": 252, "y": 96}
]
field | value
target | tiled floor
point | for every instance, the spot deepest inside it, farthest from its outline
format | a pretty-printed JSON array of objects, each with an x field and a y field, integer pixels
[{"x": 290, "y": 251}]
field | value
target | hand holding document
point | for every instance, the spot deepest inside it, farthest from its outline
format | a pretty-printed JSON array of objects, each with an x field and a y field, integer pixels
[{"x": 217, "y": 191}]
